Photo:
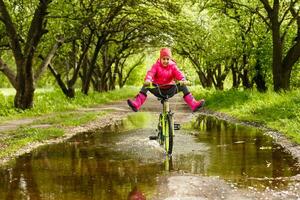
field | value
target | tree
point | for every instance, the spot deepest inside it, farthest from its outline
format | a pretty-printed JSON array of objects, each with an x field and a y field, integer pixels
[
  {"x": 210, "y": 46},
  {"x": 24, "y": 52},
  {"x": 282, "y": 18}
]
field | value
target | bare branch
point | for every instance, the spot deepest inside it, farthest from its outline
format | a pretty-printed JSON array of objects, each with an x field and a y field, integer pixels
[
  {"x": 11, "y": 31},
  {"x": 48, "y": 59},
  {"x": 36, "y": 29},
  {"x": 264, "y": 19},
  {"x": 256, "y": 11},
  {"x": 296, "y": 18},
  {"x": 288, "y": 26},
  {"x": 292, "y": 55},
  {"x": 267, "y": 6},
  {"x": 139, "y": 62},
  {"x": 287, "y": 11},
  {"x": 8, "y": 73}
]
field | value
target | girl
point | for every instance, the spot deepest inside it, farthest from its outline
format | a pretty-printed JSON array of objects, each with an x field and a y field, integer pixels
[{"x": 163, "y": 72}]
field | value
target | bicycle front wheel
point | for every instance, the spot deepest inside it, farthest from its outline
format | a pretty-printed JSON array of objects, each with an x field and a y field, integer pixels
[
  {"x": 169, "y": 132},
  {"x": 160, "y": 129}
]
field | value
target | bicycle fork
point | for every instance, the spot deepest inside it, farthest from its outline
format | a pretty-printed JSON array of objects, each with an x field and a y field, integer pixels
[{"x": 166, "y": 111}]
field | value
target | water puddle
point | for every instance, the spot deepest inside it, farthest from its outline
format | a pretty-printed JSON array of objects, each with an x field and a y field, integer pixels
[
  {"x": 241, "y": 155},
  {"x": 121, "y": 160}
]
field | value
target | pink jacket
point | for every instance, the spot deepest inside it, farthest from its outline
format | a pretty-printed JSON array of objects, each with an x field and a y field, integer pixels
[{"x": 164, "y": 75}]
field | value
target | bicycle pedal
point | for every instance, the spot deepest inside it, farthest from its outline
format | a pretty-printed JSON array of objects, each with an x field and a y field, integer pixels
[
  {"x": 153, "y": 137},
  {"x": 177, "y": 126}
]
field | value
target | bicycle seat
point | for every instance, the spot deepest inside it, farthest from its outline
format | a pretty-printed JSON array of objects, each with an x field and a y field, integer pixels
[{"x": 164, "y": 97}]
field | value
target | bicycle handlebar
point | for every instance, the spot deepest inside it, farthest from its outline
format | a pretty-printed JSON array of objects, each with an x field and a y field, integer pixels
[
  {"x": 159, "y": 87},
  {"x": 151, "y": 85}
]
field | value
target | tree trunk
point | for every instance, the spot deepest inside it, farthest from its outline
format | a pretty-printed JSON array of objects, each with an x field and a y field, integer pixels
[
  {"x": 209, "y": 80},
  {"x": 25, "y": 87},
  {"x": 282, "y": 67},
  {"x": 90, "y": 70},
  {"x": 259, "y": 78},
  {"x": 203, "y": 79},
  {"x": 245, "y": 74},
  {"x": 245, "y": 79},
  {"x": 68, "y": 91},
  {"x": 278, "y": 79},
  {"x": 114, "y": 77},
  {"x": 234, "y": 72},
  {"x": 24, "y": 56},
  {"x": 48, "y": 59},
  {"x": 120, "y": 70}
]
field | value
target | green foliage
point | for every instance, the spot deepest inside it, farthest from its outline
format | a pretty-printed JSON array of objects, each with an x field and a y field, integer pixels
[
  {"x": 137, "y": 77},
  {"x": 4, "y": 82},
  {"x": 6, "y": 105},
  {"x": 279, "y": 111},
  {"x": 187, "y": 68},
  {"x": 295, "y": 76}
]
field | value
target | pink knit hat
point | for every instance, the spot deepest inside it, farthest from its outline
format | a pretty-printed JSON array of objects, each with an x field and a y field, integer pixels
[{"x": 165, "y": 52}]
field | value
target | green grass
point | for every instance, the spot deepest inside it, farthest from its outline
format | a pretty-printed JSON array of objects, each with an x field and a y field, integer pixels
[
  {"x": 55, "y": 101},
  {"x": 70, "y": 119},
  {"x": 24, "y": 136},
  {"x": 280, "y": 111}
]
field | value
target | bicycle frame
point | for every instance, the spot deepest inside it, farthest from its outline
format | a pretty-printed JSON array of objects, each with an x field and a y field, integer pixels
[
  {"x": 167, "y": 128},
  {"x": 165, "y": 124}
]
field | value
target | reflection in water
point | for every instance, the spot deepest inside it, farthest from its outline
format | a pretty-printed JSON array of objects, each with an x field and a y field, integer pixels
[
  {"x": 243, "y": 155},
  {"x": 115, "y": 164},
  {"x": 22, "y": 182},
  {"x": 85, "y": 167},
  {"x": 135, "y": 194},
  {"x": 168, "y": 163}
]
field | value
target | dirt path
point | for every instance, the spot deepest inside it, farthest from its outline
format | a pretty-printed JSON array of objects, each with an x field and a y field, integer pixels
[
  {"x": 193, "y": 187},
  {"x": 176, "y": 186}
]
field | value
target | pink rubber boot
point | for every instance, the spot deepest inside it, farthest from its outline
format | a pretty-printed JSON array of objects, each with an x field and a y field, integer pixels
[
  {"x": 192, "y": 103},
  {"x": 137, "y": 102}
]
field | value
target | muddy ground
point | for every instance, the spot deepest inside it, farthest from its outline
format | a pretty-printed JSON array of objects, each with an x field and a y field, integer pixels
[{"x": 178, "y": 186}]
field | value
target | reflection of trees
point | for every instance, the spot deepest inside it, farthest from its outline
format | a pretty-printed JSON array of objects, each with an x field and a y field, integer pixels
[
  {"x": 283, "y": 165},
  {"x": 242, "y": 154},
  {"x": 22, "y": 180},
  {"x": 90, "y": 171},
  {"x": 13, "y": 184}
]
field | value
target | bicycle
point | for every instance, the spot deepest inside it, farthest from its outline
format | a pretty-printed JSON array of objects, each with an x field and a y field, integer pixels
[{"x": 166, "y": 125}]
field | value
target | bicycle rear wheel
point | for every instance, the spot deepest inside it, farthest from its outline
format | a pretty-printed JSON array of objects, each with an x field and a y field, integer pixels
[{"x": 169, "y": 134}]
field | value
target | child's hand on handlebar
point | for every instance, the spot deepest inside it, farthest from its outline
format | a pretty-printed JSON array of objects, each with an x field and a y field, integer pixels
[
  {"x": 182, "y": 83},
  {"x": 147, "y": 84}
]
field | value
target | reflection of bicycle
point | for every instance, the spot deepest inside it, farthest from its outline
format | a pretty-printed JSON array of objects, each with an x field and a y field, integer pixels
[
  {"x": 168, "y": 163},
  {"x": 136, "y": 194},
  {"x": 166, "y": 126}
]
